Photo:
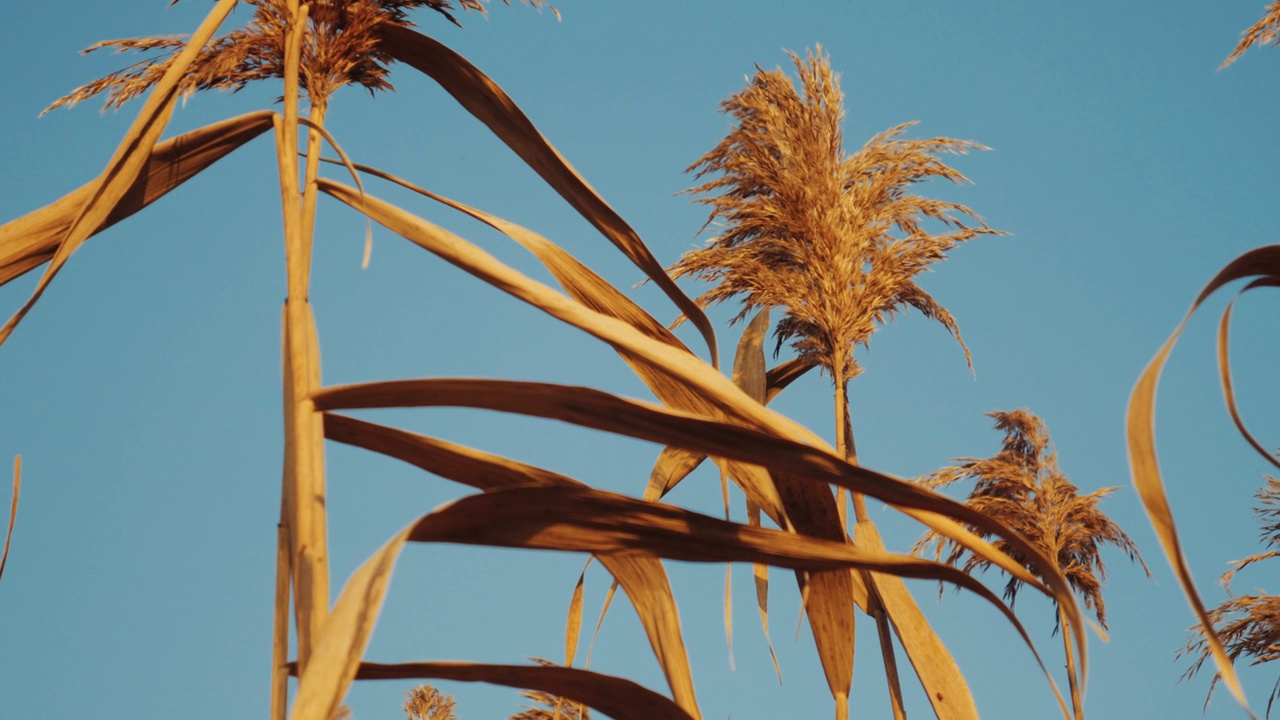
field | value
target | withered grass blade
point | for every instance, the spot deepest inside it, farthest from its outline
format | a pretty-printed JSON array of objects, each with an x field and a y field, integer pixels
[
  {"x": 573, "y": 623},
  {"x": 608, "y": 524},
  {"x": 643, "y": 578},
  {"x": 1224, "y": 368},
  {"x": 481, "y": 97},
  {"x": 675, "y": 464},
  {"x": 672, "y": 466},
  {"x": 777, "y": 379},
  {"x": 128, "y": 161},
  {"x": 939, "y": 675},
  {"x": 760, "y": 573},
  {"x": 13, "y": 511},
  {"x": 1145, "y": 467},
  {"x": 468, "y": 466},
  {"x": 604, "y": 610},
  {"x": 828, "y": 595},
  {"x": 728, "y": 611},
  {"x": 616, "y": 697},
  {"x": 31, "y": 240}
]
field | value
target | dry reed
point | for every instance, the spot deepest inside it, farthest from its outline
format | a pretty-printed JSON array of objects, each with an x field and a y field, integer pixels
[{"x": 1023, "y": 488}]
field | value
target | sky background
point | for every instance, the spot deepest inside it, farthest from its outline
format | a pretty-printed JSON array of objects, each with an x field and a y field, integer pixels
[{"x": 143, "y": 392}]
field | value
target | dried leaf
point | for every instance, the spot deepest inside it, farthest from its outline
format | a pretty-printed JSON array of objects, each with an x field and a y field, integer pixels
[
  {"x": 616, "y": 697},
  {"x": 31, "y": 240},
  {"x": 1143, "y": 462},
  {"x": 573, "y": 623},
  {"x": 13, "y": 510},
  {"x": 602, "y": 411},
  {"x": 481, "y": 97},
  {"x": 1224, "y": 368}
]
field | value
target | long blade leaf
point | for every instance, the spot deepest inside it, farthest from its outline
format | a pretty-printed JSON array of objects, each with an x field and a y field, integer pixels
[
  {"x": 31, "y": 240},
  {"x": 482, "y": 97},
  {"x": 1145, "y": 466}
]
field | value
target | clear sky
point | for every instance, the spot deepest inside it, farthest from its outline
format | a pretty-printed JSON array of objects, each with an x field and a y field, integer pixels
[{"x": 143, "y": 391}]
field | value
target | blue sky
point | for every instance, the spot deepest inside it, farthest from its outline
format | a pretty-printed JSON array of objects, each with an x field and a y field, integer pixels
[{"x": 143, "y": 391}]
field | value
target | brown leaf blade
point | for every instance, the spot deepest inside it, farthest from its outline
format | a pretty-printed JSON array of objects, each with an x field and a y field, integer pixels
[
  {"x": 1145, "y": 467},
  {"x": 482, "y": 97},
  {"x": 616, "y": 697},
  {"x": 1224, "y": 369},
  {"x": 601, "y": 411},
  {"x": 13, "y": 511},
  {"x": 31, "y": 240}
]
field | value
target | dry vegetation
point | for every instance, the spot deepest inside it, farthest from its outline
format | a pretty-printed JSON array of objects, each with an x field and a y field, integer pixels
[
  {"x": 834, "y": 240},
  {"x": 1023, "y": 487},
  {"x": 1231, "y": 629}
]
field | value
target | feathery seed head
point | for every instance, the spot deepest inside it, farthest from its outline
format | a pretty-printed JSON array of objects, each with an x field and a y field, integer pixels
[{"x": 835, "y": 240}]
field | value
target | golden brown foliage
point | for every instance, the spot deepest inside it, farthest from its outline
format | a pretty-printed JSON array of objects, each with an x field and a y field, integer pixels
[
  {"x": 340, "y": 48},
  {"x": 1023, "y": 488},
  {"x": 1248, "y": 625},
  {"x": 1264, "y": 32},
  {"x": 835, "y": 239}
]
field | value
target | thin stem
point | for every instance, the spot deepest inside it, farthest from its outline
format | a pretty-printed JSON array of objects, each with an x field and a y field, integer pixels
[
  {"x": 303, "y": 491},
  {"x": 1064, "y": 627},
  {"x": 845, "y": 445}
]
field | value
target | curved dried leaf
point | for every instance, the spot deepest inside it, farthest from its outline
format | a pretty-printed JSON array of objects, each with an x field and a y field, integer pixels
[
  {"x": 127, "y": 163},
  {"x": 31, "y": 240},
  {"x": 760, "y": 572},
  {"x": 1145, "y": 467},
  {"x": 1224, "y": 368},
  {"x": 616, "y": 697},
  {"x": 573, "y": 623},
  {"x": 13, "y": 510},
  {"x": 482, "y": 97}
]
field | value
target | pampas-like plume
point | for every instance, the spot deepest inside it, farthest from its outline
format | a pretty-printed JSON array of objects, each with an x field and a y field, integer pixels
[
  {"x": 1264, "y": 32},
  {"x": 835, "y": 240},
  {"x": 1022, "y": 487}
]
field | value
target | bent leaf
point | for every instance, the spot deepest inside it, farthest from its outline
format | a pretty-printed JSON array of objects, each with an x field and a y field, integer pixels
[
  {"x": 1224, "y": 368},
  {"x": 13, "y": 510},
  {"x": 482, "y": 97},
  {"x": 1145, "y": 466},
  {"x": 31, "y": 240},
  {"x": 616, "y": 697}
]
